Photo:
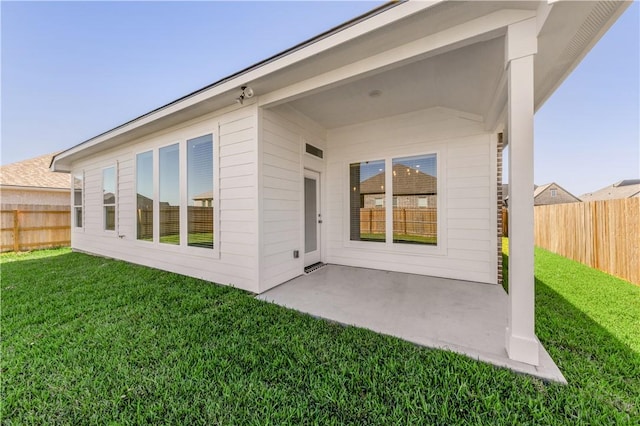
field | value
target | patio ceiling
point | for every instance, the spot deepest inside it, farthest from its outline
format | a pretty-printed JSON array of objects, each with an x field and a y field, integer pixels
[{"x": 464, "y": 79}]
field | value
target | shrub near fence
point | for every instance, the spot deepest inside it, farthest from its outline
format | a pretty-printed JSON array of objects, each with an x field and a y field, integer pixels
[
  {"x": 601, "y": 234},
  {"x": 34, "y": 227}
]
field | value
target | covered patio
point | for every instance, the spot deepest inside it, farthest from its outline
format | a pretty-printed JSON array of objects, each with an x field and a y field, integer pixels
[{"x": 461, "y": 316}]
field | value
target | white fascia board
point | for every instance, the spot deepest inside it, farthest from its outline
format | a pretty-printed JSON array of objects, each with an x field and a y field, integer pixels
[
  {"x": 33, "y": 188},
  {"x": 369, "y": 24},
  {"x": 452, "y": 38},
  {"x": 614, "y": 17}
]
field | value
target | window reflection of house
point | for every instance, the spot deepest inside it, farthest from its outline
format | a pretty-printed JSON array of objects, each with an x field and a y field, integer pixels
[
  {"x": 203, "y": 200},
  {"x": 412, "y": 189}
]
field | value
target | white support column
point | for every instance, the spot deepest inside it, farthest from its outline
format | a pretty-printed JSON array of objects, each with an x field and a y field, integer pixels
[{"x": 521, "y": 46}]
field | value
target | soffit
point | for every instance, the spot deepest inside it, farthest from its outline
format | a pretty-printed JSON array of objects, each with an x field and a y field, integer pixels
[
  {"x": 414, "y": 27},
  {"x": 463, "y": 79}
]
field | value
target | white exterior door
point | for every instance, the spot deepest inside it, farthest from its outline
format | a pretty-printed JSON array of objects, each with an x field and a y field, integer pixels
[{"x": 312, "y": 217}]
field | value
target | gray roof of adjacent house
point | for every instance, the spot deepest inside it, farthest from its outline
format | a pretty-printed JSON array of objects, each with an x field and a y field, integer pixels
[
  {"x": 407, "y": 181},
  {"x": 624, "y": 189},
  {"x": 33, "y": 173},
  {"x": 544, "y": 194},
  {"x": 541, "y": 188}
]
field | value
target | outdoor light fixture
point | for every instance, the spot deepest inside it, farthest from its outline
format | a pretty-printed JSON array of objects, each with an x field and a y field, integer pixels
[{"x": 247, "y": 92}]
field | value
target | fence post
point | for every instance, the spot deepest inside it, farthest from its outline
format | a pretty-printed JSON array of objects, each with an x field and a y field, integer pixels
[
  {"x": 404, "y": 220},
  {"x": 16, "y": 231}
]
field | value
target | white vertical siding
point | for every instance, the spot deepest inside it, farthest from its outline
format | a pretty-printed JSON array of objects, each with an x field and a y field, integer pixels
[
  {"x": 236, "y": 175},
  {"x": 283, "y": 135},
  {"x": 466, "y": 201}
]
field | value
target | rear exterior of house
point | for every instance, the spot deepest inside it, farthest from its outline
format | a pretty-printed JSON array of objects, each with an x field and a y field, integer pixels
[
  {"x": 262, "y": 172},
  {"x": 248, "y": 187}
]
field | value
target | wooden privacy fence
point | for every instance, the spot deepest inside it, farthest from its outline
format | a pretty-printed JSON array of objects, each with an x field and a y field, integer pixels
[
  {"x": 505, "y": 222},
  {"x": 601, "y": 234},
  {"x": 34, "y": 228},
  {"x": 406, "y": 221},
  {"x": 200, "y": 219}
]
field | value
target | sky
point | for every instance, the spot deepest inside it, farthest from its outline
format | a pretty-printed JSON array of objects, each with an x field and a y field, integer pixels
[{"x": 72, "y": 70}]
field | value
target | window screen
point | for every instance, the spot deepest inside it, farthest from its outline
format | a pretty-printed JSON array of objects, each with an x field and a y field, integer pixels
[
  {"x": 200, "y": 191},
  {"x": 415, "y": 191},
  {"x": 144, "y": 189},
  {"x": 169, "y": 194},
  {"x": 367, "y": 218}
]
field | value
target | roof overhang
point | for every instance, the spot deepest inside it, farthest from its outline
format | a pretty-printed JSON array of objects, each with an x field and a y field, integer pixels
[
  {"x": 396, "y": 38},
  {"x": 32, "y": 188}
]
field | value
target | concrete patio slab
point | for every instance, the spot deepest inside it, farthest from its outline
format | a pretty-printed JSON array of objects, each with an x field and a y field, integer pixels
[{"x": 464, "y": 317}]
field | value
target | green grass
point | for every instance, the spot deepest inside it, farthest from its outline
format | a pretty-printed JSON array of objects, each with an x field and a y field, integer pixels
[
  {"x": 90, "y": 340},
  {"x": 399, "y": 238},
  {"x": 202, "y": 239}
]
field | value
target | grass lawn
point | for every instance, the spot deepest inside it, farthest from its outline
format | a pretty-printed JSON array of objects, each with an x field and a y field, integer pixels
[
  {"x": 400, "y": 238},
  {"x": 91, "y": 340},
  {"x": 198, "y": 239}
]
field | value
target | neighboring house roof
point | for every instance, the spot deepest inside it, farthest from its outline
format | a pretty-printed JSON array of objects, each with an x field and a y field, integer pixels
[
  {"x": 109, "y": 198},
  {"x": 144, "y": 202},
  {"x": 543, "y": 194},
  {"x": 204, "y": 196},
  {"x": 537, "y": 190},
  {"x": 33, "y": 173},
  {"x": 627, "y": 188},
  {"x": 418, "y": 183}
]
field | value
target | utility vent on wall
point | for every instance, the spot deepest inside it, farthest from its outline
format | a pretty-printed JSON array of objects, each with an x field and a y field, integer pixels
[{"x": 317, "y": 152}]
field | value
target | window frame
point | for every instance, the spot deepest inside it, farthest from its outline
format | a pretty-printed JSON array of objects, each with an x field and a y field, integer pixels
[
  {"x": 389, "y": 184},
  {"x": 156, "y": 199},
  {"x": 75, "y": 206},
  {"x": 184, "y": 204},
  {"x": 115, "y": 200},
  {"x": 135, "y": 194},
  {"x": 388, "y": 246},
  {"x": 348, "y": 201},
  {"x": 183, "y": 247}
]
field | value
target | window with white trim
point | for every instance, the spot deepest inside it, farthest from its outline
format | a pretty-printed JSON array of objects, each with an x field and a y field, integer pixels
[
  {"x": 414, "y": 206},
  {"x": 162, "y": 188},
  {"x": 109, "y": 198},
  {"x": 78, "y": 198},
  {"x": 169, "y": 194},
  {"x": 368, "y": 219},
  {"x": 415, "y": 178},
  {"x": 200, "y": 192},
  {"x": 144, "y": 196}
]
